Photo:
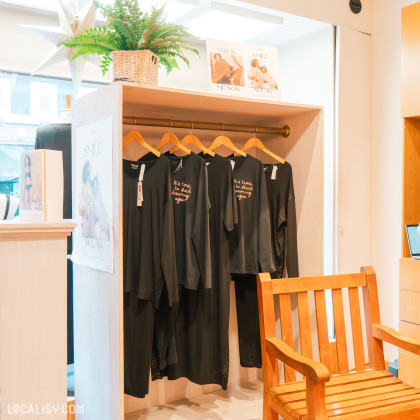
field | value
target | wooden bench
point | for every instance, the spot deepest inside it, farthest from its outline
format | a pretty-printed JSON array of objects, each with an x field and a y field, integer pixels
[{"x": 366, "y": 392}]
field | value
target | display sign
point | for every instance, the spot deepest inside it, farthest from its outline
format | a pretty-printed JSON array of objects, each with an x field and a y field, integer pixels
[
  {"x": 41, "y": 186},
  {"x": 243, "y": 69},
  {"x": 93, "y": 236}
]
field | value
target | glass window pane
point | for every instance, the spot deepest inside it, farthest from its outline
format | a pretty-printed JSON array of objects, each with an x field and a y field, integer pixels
[{"x": 21, "y": 97}]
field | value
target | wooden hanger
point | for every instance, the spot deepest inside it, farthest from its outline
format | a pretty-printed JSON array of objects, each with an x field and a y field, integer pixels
[
  {"x": 134, "y": 135},
  {"x": 172, "y": 138},
  {"x": 193, "y": 139},
  {"x": 256, "y": 142},
  {"x": 225, "y": 141}
]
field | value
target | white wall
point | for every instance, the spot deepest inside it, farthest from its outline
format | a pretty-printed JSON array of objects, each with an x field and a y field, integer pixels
[
  {"x": 307, "y": 76},
  {"x": 387, "y": 147}
]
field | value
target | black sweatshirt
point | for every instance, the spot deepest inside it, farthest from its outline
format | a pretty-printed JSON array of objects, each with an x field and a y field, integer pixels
[
  {"x": 250, "y": 241},
  {"x": 191, "y": 218},
  {"x": 148, "y": 232},
  {"x": 281, "y": 201}
]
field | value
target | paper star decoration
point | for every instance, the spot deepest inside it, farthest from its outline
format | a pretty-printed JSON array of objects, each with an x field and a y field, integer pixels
[{"x": 71, "y": 24}]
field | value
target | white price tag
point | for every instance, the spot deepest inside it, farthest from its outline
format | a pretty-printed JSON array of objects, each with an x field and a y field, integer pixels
[
  {"x": 273, "y": 174},
  {"x": 140, "y": 186},
  {"x": 140, "y": 194},
  {"x": 232, "y": 162}
]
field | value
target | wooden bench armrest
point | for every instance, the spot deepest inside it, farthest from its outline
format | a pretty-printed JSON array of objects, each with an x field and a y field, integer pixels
[
  {"x": 382, "y": 332},
  {"x": 311, "y": 369}
]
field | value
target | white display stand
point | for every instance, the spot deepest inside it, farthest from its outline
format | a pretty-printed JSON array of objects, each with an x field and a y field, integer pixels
[
  {"x": 98, "y": 296},
  {"x": 33, "y": 319}
]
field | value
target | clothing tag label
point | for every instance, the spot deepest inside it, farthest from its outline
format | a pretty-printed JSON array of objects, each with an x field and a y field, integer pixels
[
  {"x": 140, "y": 194},
  {"x": 141, "y": 174},
  {"x": 134, "y": 165},
  {"x": 207, "y": 163},
  {"x": 232, "y": 162},
  {"x": 273, "y": 174},
  {"x": 179, "y": 167},
  {"x": 140, "y": 186},
  {"x": 265, "y": 168}
]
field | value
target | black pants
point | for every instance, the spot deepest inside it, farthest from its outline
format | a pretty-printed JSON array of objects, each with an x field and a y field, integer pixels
[
  {"x": 138, "y": 343},
  {"x": 248, "y": 320}
]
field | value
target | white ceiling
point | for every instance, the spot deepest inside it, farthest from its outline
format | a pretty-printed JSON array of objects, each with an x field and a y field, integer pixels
[{"x": 230, "y": 20}]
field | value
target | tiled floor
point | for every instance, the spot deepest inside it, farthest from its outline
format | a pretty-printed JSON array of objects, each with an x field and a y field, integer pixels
[{"x": 239, "y": 403}]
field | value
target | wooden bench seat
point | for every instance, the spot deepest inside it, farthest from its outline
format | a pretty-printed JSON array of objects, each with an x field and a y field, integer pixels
[{"x": 365, "y": 393}]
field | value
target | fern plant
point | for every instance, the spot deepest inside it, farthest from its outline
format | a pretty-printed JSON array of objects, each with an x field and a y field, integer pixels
[{"x": 128, "y": 28}]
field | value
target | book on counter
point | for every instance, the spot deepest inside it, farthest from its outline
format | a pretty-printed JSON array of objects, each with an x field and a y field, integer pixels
[{"x": 41, "y": 188}]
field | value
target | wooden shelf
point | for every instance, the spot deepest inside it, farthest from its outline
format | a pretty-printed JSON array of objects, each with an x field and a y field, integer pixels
[
  {"x": 150, "y": 99},
  {"x": 20, "y": 228}
]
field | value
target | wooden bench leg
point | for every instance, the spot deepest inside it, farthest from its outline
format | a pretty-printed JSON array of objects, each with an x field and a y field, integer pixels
[{"x": 268, "y": 412}]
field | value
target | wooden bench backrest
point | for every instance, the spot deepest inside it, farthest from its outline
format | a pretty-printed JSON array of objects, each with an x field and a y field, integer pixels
[{"x": 268, "y": 289}]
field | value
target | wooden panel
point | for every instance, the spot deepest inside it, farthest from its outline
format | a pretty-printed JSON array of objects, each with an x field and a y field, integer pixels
[
  {"x": 286, "y": 331},
  {"x": 98, "y": 296},
  {"x": 410, "y": 306},
  {"x": 33, "y": 318},
  {"x": 340, "y": 331},
  {"x": 304, "y": 324},
  {"x": 410, "y": 274},
  {"x": 292, "y": 285},
  {"x": 322, "y": 328},
  {"x": 409, "y": 364},
  {"x": 409, "y": 368},
  {"x": 410, "y": 60},
  {"x": 410, "y": 330},
  {"x": 411, "y": 178},
  {"x": 356, "y": 327}
]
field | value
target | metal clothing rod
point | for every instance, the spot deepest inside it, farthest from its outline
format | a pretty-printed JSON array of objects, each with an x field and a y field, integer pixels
[{"x": 197, "y": 125}]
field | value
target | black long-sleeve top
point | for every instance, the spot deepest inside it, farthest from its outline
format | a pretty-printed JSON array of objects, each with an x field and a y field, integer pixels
[
  {"x": 250, "y": 240},
  {"x": 191, "y": 218},
  {"x": 148, "y": 231},
  {"x": 281, "y": 202}
]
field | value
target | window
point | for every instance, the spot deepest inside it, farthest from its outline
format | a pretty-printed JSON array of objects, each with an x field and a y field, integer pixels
[
  {"x": 20, "y": 99},
  {"x": 26, "y": 102}
]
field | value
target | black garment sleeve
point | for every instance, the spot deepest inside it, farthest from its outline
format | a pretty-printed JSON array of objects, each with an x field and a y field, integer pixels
[
  {"x": 168, "y": 259},
  {"x": 292, "y": 261},
  {"x": 265, "y": 255},
  {"x": 231, "y": 206},
  {"x": 201, "y": 229}
]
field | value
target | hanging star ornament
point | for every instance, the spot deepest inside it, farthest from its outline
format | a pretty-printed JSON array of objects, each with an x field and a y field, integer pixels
[{"x": 71, "y": 24}]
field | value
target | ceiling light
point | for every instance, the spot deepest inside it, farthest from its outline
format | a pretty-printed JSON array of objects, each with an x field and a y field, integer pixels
[{"x": 228, "y": 26}]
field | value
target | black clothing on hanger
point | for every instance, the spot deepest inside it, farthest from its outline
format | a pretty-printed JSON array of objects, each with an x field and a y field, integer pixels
[
  {"x": 250, "y": 241},
  {"x": 202, "y": 325},
  {"x": 281, "y": 203},
  {"x": 149, "y": 265}
]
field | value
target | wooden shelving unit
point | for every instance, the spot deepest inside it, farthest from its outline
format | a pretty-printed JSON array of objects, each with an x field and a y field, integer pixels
[
  {"x": 98, "y": 296},
  {"x": 409, "y": 364}
]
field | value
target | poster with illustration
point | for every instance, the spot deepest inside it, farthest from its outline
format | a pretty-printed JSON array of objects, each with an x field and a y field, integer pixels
[
  {"x": 226, "y": 67},
  {"x": 243, "y": 69},
  {"x": 92, "y": 180},
  {"x": 262, "y": 72},
  {"x": 31, "y": 186}
]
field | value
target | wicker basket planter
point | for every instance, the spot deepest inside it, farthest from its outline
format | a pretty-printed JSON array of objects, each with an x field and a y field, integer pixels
[{"x": 135, "y": 66}]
